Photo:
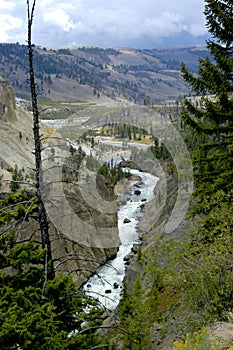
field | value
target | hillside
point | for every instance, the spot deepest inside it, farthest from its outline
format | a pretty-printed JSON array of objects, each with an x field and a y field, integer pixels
[{"x": 91, "y": 74}]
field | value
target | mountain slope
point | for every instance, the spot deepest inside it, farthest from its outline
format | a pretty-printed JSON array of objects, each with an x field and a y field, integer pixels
[{"x": 93, "y": 74}]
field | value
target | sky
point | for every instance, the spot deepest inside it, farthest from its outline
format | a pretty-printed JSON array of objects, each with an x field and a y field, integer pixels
[{"x": 142, "y": 24}]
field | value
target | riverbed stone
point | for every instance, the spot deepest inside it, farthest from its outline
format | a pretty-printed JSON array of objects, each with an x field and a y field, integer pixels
[
  {"x": 134, "y": 248},
  {"x": 126, "y": 221},
  {"x": 137, "y": 192}
]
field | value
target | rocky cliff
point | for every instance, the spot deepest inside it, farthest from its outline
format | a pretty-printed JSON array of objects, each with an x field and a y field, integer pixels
[
  {"x": 7, "y": 102},
  {"x": 83, "y": 236},
  {"x": 16, "y": 143}
]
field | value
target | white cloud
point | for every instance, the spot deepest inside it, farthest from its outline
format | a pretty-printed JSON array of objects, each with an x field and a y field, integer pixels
[
  {"x": 6, "y": 5},
  {"x": 197, "y": 29},
  {"x": 166, "y": 25},
  {"x": 106, "y": 23},
  {"x": 60, "y": 19},
  {"x": 7, "y": 24}
]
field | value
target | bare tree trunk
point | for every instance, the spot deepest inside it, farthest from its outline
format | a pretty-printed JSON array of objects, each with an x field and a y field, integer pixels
[{"x": 43, "y": 220}]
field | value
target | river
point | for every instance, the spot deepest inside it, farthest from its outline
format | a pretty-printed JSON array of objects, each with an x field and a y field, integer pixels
[{"x": 106, "y": 283}]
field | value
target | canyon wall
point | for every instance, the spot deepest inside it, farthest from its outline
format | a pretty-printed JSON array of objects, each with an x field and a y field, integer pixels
[{"x": 82, "y": 237}]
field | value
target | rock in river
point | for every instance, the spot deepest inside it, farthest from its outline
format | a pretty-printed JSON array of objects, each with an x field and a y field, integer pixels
[
  {"x": 137, "y": 192},
  {"x": 126, "y": 221}
]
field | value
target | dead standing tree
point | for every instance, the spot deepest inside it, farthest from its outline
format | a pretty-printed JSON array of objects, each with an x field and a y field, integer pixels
[
  {"x": 42, "y": 215},
  {"x": 53, "y": 263}
]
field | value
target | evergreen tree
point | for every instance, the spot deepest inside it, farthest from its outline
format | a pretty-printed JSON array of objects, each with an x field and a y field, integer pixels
[
  {"x": 133, "y": 310},
  {"x": 215, "y": 81},
  {"x": 212, "y": 119},
  {"x": 17, "y": 177},
  {"x": 204, "y": 273},
  {"x": 38, "y": 315}
]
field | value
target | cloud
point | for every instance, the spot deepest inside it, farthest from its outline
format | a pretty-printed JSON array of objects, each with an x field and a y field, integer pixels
[
  {"x": 106, "y": 23},
  {"x": 8, "y": 23},
  {"x": 166, "y": 25},
  {"x": 58, "y": 18},
  {"x": 196, "y": 29},
  {"x": 6, "y": 5}
]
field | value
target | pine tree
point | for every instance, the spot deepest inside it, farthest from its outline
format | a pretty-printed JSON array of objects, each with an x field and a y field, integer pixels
[
  {"x": 34, "y": 315},
  {"x": 212, "y": 118},
  {"x": 135, "y": 319},
  {"x": 215, "y": 81},
  {"x": 209, "y": 246}
]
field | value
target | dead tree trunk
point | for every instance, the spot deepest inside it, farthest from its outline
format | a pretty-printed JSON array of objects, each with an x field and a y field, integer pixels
[{"x": 42, "y": 215}]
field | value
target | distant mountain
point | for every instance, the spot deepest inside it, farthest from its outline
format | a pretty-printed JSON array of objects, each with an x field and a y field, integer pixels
[{"x": 91, "y": 73}]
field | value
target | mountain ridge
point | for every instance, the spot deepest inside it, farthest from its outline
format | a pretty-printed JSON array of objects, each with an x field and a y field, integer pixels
[{"x": 92, "y": 74}]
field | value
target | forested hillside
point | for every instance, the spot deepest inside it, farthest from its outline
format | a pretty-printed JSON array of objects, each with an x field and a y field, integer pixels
[{"x": 88, "y": 73}]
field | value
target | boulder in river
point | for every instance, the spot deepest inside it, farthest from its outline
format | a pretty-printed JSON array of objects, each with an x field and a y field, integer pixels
[
  {"x": 127, "y": 258},
  {"x": 134, "y": 248},
  {"x": 126, "y": 221},
  {"x": 115, "y": 285},
  {"x": 137, "y": 192}
]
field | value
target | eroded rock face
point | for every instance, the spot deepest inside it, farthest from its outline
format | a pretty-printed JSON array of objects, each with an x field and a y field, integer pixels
[
  {"x": 16, "y": 133},
  {"x": 82, "y": 237},
  {"x": 91, "y": 224},
  {"x": 7, "y": 102}
]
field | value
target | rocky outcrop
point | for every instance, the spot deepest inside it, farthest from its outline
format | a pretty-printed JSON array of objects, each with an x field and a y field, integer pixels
[
  {"x": 16, "y": 138},
  {"x": 7, "y": 102},
  {"x": 129, "y": 164}
]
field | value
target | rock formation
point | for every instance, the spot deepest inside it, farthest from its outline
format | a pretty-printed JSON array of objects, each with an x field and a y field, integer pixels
[{"x": 7, "y": 102}]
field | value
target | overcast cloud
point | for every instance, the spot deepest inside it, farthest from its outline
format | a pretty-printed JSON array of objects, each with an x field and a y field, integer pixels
[{"x": 106, "y": 23}]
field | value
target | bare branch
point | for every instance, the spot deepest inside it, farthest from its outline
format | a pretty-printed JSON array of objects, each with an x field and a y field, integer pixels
[
  {"x": 9, "y": 227},
  {"x": 26, "y": 214},
  {"x": 19, "y": 182},
  {"x": 101, "y": 346},
  {"x": 13, "y": 205},
  {"x": 73, "y": 257}
]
